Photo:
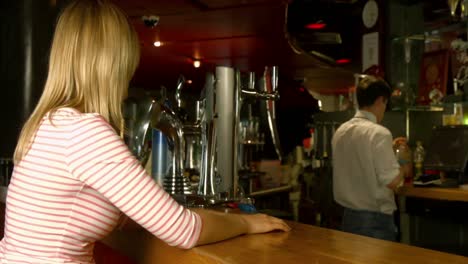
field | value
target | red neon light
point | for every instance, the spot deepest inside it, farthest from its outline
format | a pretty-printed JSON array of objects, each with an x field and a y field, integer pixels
[
  {"x": 343, "y": 61},
  {"x": 316, "y": 26}
]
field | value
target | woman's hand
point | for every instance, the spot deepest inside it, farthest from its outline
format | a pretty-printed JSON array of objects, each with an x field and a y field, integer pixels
[
  {"x": 262, "y": 223},
  {"x": 218, "y": 226}
]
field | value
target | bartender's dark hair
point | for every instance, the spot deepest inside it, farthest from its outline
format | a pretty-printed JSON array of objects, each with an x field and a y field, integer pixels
[{"x": 370, "y": 88}]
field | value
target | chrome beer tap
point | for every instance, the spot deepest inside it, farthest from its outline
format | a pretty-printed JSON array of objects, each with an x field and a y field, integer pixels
[
  {"x": 223, "y": 96},
  {"x": 207, "y": 185},
  {"x": 268, "y": 93},
  {"x": 166, "y": 120}
]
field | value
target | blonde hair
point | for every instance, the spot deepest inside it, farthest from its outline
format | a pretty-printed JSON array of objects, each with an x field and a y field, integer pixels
[{"x": 94, "y": 54}]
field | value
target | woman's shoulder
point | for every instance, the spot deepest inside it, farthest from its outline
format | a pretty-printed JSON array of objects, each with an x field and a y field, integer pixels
[
  {"x": 69, "y": 113},
  {"x": 73, "y": 118}
]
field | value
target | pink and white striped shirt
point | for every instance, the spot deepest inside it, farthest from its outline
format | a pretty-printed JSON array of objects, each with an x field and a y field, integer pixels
[{"x": 69, "y": 190}]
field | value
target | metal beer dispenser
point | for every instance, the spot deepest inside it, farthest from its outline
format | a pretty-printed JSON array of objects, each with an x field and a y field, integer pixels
[{"x": 217, "y": 126}]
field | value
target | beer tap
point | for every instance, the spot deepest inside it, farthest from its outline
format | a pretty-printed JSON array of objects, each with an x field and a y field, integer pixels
[
  {"x": 264, "y": 94},
  {"x": 180, "y": 104},
  {"x": 223, "y": 98},
  {"x": 167, "y": 121},
  {"x": 269, "y": 93}
]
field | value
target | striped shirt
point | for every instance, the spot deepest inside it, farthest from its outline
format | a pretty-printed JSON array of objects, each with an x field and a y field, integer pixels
[{"x": 69, "y": 191}]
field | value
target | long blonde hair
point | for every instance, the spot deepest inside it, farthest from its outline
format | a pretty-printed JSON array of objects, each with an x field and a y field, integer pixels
[{"x": 94, "y": 54}]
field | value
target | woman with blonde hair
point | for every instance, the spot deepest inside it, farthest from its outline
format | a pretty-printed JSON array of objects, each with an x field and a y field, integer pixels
[{"x": 73, "y": 174}]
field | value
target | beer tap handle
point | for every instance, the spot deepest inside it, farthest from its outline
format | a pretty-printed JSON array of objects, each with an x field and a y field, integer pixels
[
  {"x": 270, "y": 87},
  {"x": 274, "y": 79},
  {"x": 251, "y": 85},
  {"x": 180, "y": 104},
  {"x": 178, "y": 92}
]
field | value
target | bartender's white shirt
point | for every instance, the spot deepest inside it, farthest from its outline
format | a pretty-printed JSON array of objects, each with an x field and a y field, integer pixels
[{"x": 363, "y": 164}]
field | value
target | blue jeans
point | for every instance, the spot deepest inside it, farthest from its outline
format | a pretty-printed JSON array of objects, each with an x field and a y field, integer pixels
[{"x": 367, "y": 223}]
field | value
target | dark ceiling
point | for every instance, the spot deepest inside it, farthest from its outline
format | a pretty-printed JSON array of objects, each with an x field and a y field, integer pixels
[{"x": 245, "y": 34}]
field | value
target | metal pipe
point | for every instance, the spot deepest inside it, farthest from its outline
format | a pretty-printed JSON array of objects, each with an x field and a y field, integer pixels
[
  {"x": 226, "y": 86},
  {"x": 206, "y": 187}
]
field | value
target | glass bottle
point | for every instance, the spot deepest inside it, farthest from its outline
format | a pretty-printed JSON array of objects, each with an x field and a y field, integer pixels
[
  {"x": 458, "y": 113},
  {"x": 404, "y": 158},
  {"x": 418, "y": 159}
]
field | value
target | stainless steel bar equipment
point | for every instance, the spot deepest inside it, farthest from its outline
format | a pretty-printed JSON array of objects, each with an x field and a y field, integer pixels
[
  {"x": 226, "y": 120},
  {"x": 138, "y": 125},
  {"x": 166, "y": 120},
  {"x": 270, "y": 94},
  {"x": 207, "y": 184},
  {"x": 217, "y": 125},
  {"x": 223, "y": 98}
]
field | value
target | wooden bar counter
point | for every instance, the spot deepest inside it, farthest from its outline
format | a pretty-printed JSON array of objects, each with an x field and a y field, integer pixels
[
  {"x": 303, "y": 244},
  {"x": 426, "y": 209},
  {"x": 449, "y": 194}
]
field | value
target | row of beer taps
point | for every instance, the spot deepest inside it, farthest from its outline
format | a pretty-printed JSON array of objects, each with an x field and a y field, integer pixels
[{"x": 214, "y": 134}]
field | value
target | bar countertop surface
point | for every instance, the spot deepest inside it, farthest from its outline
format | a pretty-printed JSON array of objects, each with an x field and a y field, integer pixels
[
  {"x": 449, "y": 194},
  {"x": 303, "y": 244}
]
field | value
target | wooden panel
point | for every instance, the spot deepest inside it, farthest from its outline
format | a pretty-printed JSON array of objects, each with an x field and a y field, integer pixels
[
  {"x": 226, "y": 23},
  {"x": 234, "y": 3},
  {"x": 137, "y": 8},
  {"x": 216, "y": 48}
]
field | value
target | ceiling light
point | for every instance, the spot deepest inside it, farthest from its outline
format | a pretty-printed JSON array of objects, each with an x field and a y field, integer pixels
[
  {"x": 189, "y": 81},
  {"x": 157, "y": 43},
  {"x": 196, "y": 63}
]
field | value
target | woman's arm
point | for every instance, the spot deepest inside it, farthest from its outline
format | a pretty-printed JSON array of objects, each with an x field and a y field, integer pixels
[{"x": 218, "y": 226}]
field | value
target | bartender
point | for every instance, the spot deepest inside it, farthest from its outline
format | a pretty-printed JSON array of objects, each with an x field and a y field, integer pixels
[{"x": 365, "y": 170}]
